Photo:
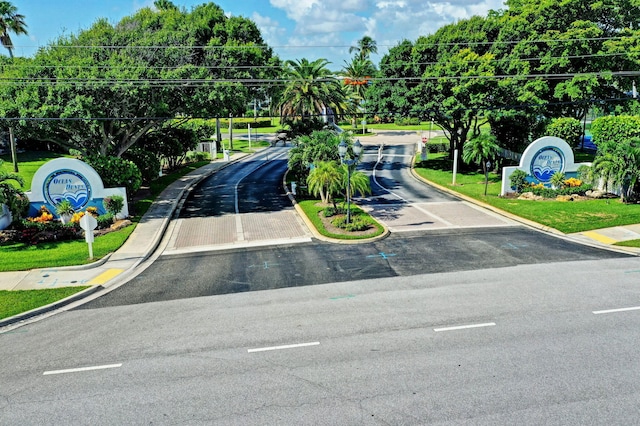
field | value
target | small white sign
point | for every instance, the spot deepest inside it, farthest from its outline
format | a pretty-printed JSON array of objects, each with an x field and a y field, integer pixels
[{"x": 88, "y": 223}]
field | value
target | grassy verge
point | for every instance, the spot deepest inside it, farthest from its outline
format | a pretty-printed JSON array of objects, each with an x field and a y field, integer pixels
[
  {"x": 16, "y": 302},
  {"x": 567, "y": 217},
  {"x": 311, "y": 210},
  {"x": 22, "y": 257}
]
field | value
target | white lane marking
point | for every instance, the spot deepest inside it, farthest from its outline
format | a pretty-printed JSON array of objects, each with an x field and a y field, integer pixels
[
  {"x": 462, "y": 327},
  {"x": 609, "y": 311},
  {"x": 276, "y": 348},
  {"x": 415, "y": 206},
  {"x": 76, "y": 370}
]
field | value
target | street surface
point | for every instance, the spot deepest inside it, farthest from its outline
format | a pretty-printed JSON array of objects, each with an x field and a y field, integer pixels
[
  {"x": 378, "y": 352},
  {"x": 458, "y": 317}
]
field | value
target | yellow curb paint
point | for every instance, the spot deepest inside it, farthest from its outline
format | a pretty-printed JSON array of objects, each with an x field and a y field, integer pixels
[
  {"x": 599, "y": 237},
  {"x": 105, "y": 276}
]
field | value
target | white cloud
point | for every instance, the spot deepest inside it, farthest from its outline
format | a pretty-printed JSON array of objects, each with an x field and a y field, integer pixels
[
  {"x": 340, "y": 23},
  {"x": 271, "y": 31}
]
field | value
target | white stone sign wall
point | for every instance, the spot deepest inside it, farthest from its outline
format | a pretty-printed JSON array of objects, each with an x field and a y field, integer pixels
[
  {"x": 73, "y": 180},
  {"x": 542, "y": 158}
]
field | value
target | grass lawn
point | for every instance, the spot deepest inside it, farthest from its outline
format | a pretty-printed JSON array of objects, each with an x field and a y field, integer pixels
[
  {"x": 16, "y": 302},
  {"x": 567, "y": 217},
  {"x": 28, "y": 163}
]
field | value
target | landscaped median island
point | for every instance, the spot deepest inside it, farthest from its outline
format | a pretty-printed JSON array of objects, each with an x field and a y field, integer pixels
[{"x": 330, "y": 221}]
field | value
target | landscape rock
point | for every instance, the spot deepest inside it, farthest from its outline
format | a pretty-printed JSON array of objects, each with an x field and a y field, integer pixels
[{"x": 529, "y": 196}]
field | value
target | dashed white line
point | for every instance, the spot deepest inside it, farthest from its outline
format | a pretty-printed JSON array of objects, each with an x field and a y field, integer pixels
[
  {"x": 610, "y": 311},
  {"x": 462, "y": 327},
  {"x": 275, "y": 348},
  {"x": 77, "y": 370}
]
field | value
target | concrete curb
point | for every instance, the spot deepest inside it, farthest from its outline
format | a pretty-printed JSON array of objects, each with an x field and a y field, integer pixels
[{"x": 318, "y": 235}]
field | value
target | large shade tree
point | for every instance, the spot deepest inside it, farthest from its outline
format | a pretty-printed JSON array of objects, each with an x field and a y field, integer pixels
[{"x": 101, "y": 90}]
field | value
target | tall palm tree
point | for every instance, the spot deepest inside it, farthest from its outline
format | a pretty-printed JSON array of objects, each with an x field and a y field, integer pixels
[
  {"x": 310, "y": 89},
  {"x": 357, "y": 75},
  {"x": 480, "y": 150},
  {"x": 365, "y": 47},
  {"x": 10, "y": 22}
]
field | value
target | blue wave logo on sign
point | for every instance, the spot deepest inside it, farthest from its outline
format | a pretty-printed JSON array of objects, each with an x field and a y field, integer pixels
[
  {"x": 67, "y": 185},
  {"x": 546, "y": 163}
]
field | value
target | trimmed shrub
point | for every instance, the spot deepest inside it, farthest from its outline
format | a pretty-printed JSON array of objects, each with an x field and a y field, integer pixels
[
  {"x": 116, "y": 172},
  {"x": 518, "y": 180},
  {"x": 566, "y": 128}
]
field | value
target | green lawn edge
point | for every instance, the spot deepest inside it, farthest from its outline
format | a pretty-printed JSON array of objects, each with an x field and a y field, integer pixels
[{"x": 14, "y": 302}]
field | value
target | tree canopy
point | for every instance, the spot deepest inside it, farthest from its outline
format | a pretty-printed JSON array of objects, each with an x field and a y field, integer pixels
[{"x": 101, "y": 90}]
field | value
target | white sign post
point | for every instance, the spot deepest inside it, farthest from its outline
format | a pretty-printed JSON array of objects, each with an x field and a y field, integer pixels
[{"x": 88, "y": 223}]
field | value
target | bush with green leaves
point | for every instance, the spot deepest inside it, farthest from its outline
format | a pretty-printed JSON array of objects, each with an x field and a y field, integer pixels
[
  {"x": 171, "y": 143},
  {"x": 105, "y": 220},
  {"x": 113, "y": 204},
  {"x": 147, "y": 161},
  {"x": 358, "y": 223},
  {"x": 197, "y": 156},
  {"x": 406, "y": 121},
  {"x": 608, "y": 131},
  {"x": 116, "y": 172},
  {"x": 566, "y": 128},
  {"x": 332, "y": 211},
  {"x": 518, "y": 180}
]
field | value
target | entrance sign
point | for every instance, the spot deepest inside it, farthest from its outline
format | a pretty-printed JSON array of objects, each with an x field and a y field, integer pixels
[
  {"x": 73, "y": 180},
  {"x": 542, "y": 159}
]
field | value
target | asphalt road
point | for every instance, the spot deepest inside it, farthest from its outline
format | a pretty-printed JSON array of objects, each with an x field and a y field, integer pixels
[
  {"x": 404, "y": 255},
  {"x": 527, "y": 344}
]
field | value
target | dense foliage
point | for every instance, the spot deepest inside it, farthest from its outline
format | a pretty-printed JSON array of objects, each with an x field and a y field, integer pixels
[{"x": 101, "y": 90}]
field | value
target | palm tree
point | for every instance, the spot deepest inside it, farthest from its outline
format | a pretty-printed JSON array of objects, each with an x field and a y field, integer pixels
[
  {"x": 324, "y": 180},
  {"x": 310, "y": 89},
  {"x": 10, "y": 194},
  {"x": 360, "y": 183},
  {"x": 480, "y": 150},
  {"x": 365, "y": 47},
  {"x": 357, "y": 74},
  {"x": 620, "y": 168},
  {"x": 10, "y": 22}
]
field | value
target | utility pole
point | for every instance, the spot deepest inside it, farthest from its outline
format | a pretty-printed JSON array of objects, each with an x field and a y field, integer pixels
[{"x": 14, "y": 156}]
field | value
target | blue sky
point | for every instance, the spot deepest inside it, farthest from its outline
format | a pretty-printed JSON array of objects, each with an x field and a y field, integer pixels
[{"x": 294, "y": 28}]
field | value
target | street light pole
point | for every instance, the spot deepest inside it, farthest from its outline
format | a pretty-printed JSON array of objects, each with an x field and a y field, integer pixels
[{"x": 349, "y": 162}]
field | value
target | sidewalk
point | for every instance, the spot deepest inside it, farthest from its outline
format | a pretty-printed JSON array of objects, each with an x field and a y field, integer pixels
[{"x": 115, "y": 268}]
